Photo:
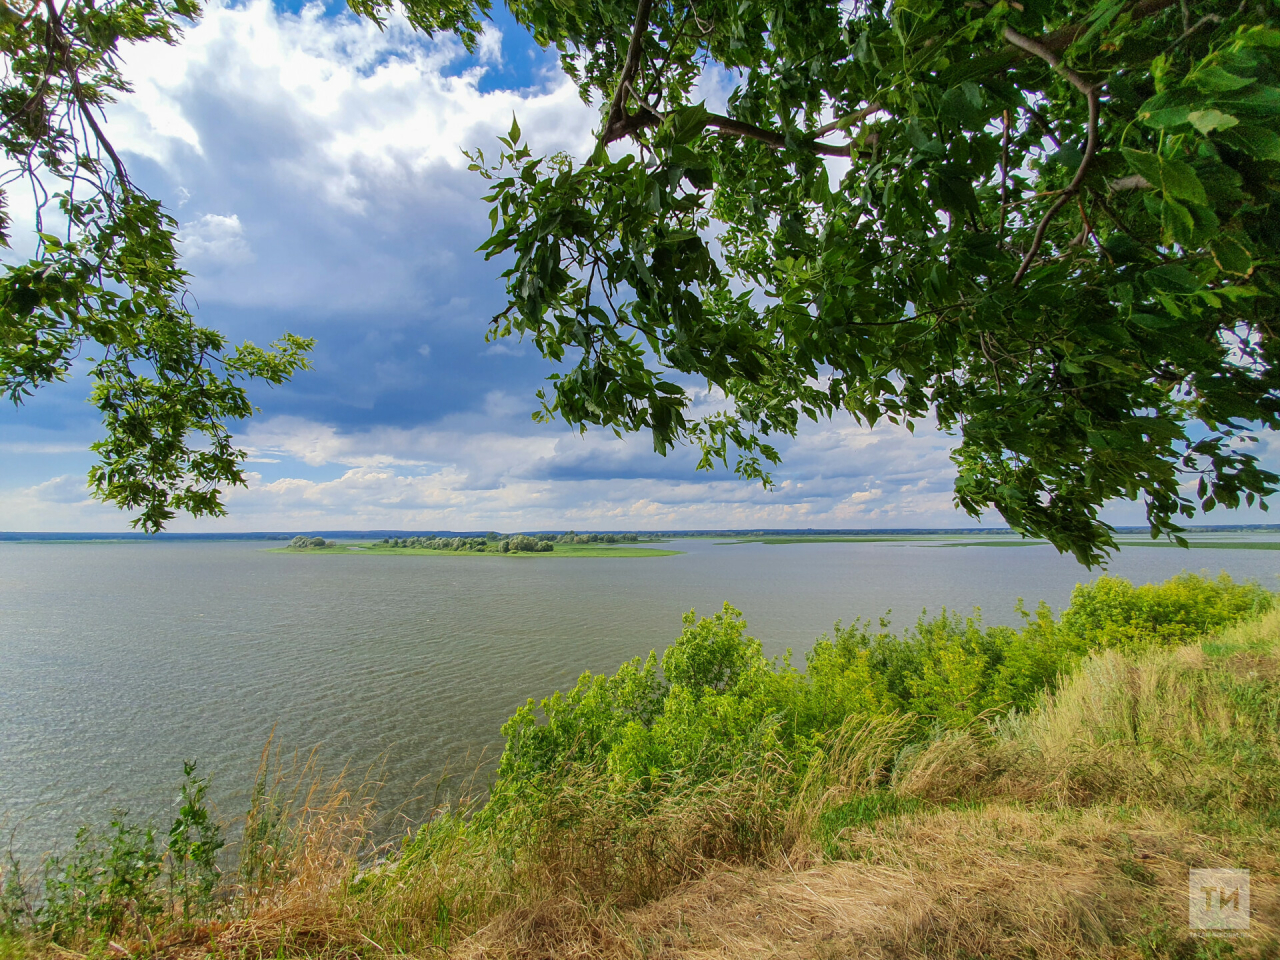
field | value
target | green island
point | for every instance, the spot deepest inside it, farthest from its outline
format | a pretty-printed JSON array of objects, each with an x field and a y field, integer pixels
[
  {"x": 570, "y": 544},
  {"x": 954, "y": 790}
]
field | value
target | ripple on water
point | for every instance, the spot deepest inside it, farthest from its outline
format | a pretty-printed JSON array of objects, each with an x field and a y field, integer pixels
[{"x": 120, "y": 660}]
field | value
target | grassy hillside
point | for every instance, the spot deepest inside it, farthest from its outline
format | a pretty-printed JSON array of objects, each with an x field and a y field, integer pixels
[{"x": 959, "y": 791}]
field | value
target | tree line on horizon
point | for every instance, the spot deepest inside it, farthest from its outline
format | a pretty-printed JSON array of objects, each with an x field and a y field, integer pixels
[{"x": 495, "y": 542}]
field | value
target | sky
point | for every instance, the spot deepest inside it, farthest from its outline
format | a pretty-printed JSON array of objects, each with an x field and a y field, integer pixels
[{"x": 315, "y": 164}]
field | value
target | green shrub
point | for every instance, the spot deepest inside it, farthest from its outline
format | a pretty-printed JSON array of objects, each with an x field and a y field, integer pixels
[
  {"x": 16, "y": 909},
  {"x": 1111, "y": 612},
  {"x": 714, "y": 699},
  {"x": 194, "y": 841},
  {"x": 107, "y": 882}
]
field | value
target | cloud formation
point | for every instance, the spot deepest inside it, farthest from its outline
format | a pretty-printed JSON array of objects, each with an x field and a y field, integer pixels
[
  {"x": 316, "y": 165},
  {"x": 214, "y": 239}
]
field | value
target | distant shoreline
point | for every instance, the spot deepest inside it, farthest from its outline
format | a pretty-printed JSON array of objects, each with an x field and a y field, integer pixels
[
  {"x": 960, "y": 540},
  {"x": 1208, "y": 537},
  {"x": 564, "y": 550}
]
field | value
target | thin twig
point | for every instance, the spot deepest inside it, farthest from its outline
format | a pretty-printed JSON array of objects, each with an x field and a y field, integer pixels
[
  {"x": 1124, "y": 227},
  {"x": 774, "y": 139},
  {"x": 77, "y": 92},
  {"x": 1193, "y": 29},
  {"x": 1040, "y": 118},
  {"x": 1004, "y": 181},
  {"x": 122, "y": 177},
  {"x": 1049, "y": 56},
  {"x": 1063, "y": 37},
  {"x": 645, "y": 104}
]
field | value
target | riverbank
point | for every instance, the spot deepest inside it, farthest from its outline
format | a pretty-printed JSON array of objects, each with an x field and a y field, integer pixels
[{"x": 955, "y": 791}]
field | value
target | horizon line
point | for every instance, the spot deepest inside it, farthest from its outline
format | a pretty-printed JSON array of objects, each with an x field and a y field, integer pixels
[{"x": 18, "y": 535}]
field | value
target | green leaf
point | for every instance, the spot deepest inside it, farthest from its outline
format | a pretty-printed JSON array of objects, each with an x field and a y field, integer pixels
[
  {"x": 1263, "y": 101},
  {"x": 1152, "y": 321},
  {"x": 1180, "y": 181},
  {"x": 1260, "y": 36},
  {"x": 1178, "y": 224},
  {"x": 514, "y": 135},
  {"x": 1172, "y": 278},
  {"x": 687, "y": 124},
  {"x": 1146, "y": 165},
  {"x": 1176, "y": 178},
  {"x": 1259, "y": 142},
  {"x": 1167, "y": 118},
  {"x": 1209, "y": 120},
  {"x": 1170, "y": 108},
  {"x": 1231, "y": 256},
  {"x": 1213, "y": 79}
]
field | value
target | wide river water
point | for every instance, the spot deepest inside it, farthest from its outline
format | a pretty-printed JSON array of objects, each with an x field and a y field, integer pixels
[{"x": 119, "y": 660}]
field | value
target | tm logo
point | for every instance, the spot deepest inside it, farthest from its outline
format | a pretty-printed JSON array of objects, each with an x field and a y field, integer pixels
[{"x": 1219, "y": 900}]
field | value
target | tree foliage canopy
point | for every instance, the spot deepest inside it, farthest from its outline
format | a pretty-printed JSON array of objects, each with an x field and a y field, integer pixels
[
  {"x": 95, "y": 267},
  {"x": 1048, "y": 224}
]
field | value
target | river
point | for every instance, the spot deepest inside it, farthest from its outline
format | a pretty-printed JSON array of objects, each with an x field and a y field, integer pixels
[{"x": 119, "y": 660}]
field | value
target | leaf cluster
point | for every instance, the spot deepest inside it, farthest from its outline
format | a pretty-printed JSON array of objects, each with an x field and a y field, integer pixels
[
  {"x": 1047, "y": 226},
  {"x": 101, "y": 272}
]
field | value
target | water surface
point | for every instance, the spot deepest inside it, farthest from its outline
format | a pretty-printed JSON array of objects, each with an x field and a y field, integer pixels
[{"x": 119, "y": 660}]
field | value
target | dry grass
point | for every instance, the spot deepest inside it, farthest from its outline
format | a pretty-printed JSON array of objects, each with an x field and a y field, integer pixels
[
  {"x": 304, "y": 838},
  {"x": 997, "y": 882}
]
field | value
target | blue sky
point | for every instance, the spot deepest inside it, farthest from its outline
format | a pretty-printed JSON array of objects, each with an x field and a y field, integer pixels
[{"x": 315, "y": 164}]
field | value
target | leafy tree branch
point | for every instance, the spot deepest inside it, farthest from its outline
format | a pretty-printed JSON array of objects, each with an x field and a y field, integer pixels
[
  {"x": 1055, "y": 238},
  {"x": 102, "y": 272}
]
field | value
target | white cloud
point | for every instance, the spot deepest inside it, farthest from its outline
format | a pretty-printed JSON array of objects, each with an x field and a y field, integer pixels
[
  {"x": 505, "y": 349},
  {"x": 366, "y": 98},
  {"x": 64, "y": 489},
  {"x": 215, "y": 239},
  {"x": 475, "y": 471},
  {"x": 470, "y": 472},
  {"x": 339, "y": 147}
]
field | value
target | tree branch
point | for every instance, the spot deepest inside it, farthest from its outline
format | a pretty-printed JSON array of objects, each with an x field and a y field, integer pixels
[
  {"x": 854, "y": 117},
  {"x": 632, "y": 123},
  {"x": 77, "y": 92},
  {"x": 1041, "y": 49},
  {"x": 1089, "y": 90},
  {"x": 617, "y": 109},
  {"x": 122, "y": 177},
  {"x": 740, "y": 128}
]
